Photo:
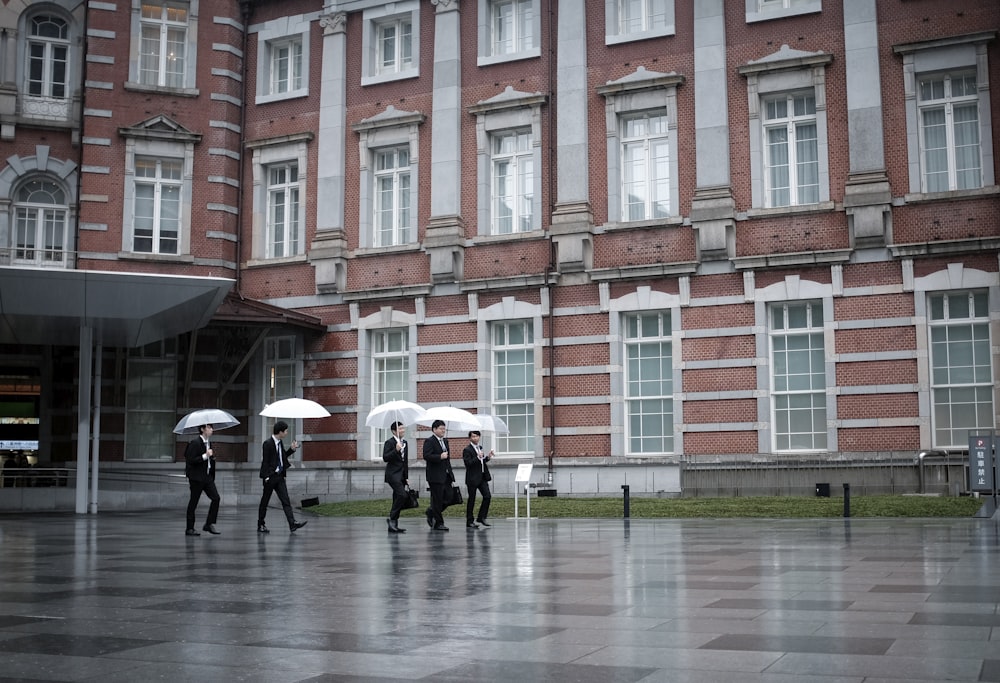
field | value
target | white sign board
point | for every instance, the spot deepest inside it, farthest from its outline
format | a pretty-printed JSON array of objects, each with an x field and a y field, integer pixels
[{"x": 523, "y": 472}]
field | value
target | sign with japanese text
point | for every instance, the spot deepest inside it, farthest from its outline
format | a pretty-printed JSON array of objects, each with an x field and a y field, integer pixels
[{"x": 981, "y": 462}]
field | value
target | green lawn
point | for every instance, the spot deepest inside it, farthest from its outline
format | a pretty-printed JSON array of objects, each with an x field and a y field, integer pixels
[{"x": 675, "y": 508}]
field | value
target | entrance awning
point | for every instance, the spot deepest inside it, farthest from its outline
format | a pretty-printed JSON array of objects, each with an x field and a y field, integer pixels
[{"x": 47, "y": 306}]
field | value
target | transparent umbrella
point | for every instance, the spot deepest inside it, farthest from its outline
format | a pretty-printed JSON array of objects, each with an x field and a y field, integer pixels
[
  {"x": 219, "y": 419},
  {"x": 492, "y": 423}
]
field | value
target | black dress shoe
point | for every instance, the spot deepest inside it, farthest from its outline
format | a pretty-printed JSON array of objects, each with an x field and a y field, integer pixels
[
  {"x": 430, "y": 520},
  {"x": 191, "y": 532},
  {"x": 440, "y": 527},
  {"x": 210, "y": 528},
  {"x": 471, "y": 525},
  {"x": 482, "y": 522},
  {"x": 261, "y": 529},
  {"x": 297, "y": 525}
]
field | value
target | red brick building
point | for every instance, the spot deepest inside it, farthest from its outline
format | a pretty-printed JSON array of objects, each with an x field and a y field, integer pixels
[{"x": 643, "y": 234}]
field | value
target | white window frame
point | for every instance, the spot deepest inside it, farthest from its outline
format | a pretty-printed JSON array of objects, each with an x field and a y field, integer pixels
[
  {"x": 615, "y": 18},
  {"x": 47, "y": 106},
  {"x": 813, "y": 332},
  {"x": 791, "y": 123},
  {"x": 520, "y": 174},
  {"x": 634, "y": 379},
  {"x": 157, "y": 411},
  {"x": 653, "y": 189},
  {"x": 519, "y": 442},
  {"x": 947, "y": 104},
  {"x": 51, "y": 46},
  {"x": 947, "y": 378},
  {"x": 288, "y": 33},
  {"x": 45, "y": 217},
  {"x": 524, "y": 48},
  {"x": 381, "y": 355},
  {"x": 390, "y": 129},
  {"x": 375, "y": 19},
  {"x": 950, "y": 55},
  {"x": 167, "y": 185},
  {"x": 398, "y": 229},
  {"x": 509, "y": 111},
  {"x": 290, "y": 150},
  {"x": 281, "y": 374},
  {"x": 764, "y": 10},
  {"x": 284, "y": 210},
  {"x": 163, "y": 24},
  {"x": 640, "y": 93},
  {"x": 786, "y": 72}
]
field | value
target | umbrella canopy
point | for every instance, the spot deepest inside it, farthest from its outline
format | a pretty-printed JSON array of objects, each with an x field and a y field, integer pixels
[
  {"x": 384, "y": 415},
  {"x": 295, "y": 408},
  {"x": 455, "y": 418},
  {"x": 492, "y": 423},
  {"x": 219, "y": 419}
]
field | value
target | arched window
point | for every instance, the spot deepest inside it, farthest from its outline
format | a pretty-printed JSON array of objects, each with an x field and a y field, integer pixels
[
  {"x": 40, "y": 217},
  {"x": 48, "y": 56}
]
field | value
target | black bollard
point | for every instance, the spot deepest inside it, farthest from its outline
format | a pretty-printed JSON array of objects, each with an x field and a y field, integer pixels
[
  {"x": 847, "y": 500},
  {"x": 625, "y": 498}
]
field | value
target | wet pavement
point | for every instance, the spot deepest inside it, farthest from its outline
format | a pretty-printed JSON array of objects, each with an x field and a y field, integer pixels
[{"x": 128, "y": 597}]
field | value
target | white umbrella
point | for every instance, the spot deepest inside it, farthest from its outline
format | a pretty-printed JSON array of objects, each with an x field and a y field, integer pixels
[
  {"x": 455, "y": 418},
  {"x": 492, "y": 423},
  {"x": 295, "y": 408},
  {"x": 219, "y": 419},
  {"x": 384, "y": 415}
]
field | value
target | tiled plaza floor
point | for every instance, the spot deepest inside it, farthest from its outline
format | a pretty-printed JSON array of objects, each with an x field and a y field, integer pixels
[{"x": 128, "y": 597}]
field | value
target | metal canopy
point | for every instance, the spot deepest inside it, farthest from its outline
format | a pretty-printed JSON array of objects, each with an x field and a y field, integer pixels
[{"x": 47, "y": 306}]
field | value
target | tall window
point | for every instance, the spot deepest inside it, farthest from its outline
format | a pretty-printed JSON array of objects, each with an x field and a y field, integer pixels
[
  {"x": 151, "y": 401},
  {"x": 513, "y": 182},
  {"x": 649, "y": 387},
  {"x": 40, "y": 224},
  {"x": 514, "y": 384},
  {"x": 282, "y": 210},
  {"x": 286, "y": 67},
  {"x": 394, "y": 45},
  {"x": 392, "y": 197},
  {"x": 792, "y": 150},
  {"x": 949, "y": 132},
  {"x": 48, "y": 57},
  {"x": 639, "y": 16},
  {"x": 280, "y": 374},
  {"x": 645, "y": 167},
  {"x": 512, "y": 23},
  {"x": 163, "y": 43},
  {"x": 961, "y": 367},
  {"x": 799, "y": 376},
  {"x": 391, "y": 367},
  {"x": 157, "y": 215}
]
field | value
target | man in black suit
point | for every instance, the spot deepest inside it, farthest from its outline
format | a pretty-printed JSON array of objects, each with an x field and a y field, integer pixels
[
  {"x": 439, "y": 474},
  {"x": 199, "y": 467},
  {"x": 397, "y": 473},
  {"x": 477, "y": 476},
  {"x": 273, "y": 468}
]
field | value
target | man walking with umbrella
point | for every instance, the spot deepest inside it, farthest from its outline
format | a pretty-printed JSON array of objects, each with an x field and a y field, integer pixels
[
  {"x": 199, "y": 467},
  {"x": 397, "y": 473}
]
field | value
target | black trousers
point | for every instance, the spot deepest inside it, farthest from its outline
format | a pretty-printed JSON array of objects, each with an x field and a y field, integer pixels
[
  {"x": 275, "y": 484},
  {"x": 484, "y": 509},
  {"x": 208, "y": 488},
  {"x": 437, "y": 501},
  {"x": 398, "y": 498}
]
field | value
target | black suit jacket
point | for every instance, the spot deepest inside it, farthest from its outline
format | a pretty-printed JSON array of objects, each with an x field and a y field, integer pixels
[
  {"x": 438, "y": 470},
  {"x": 397, "y": 467},
  {"x": 269, "y": 461},
  {"x": 195, "y": 466},
  {"x": 476, "y": 470}
]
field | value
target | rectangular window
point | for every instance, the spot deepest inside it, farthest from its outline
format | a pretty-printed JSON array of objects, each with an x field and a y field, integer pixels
[
  {"x": 151, "y": 402},
  {"x": 641, "y": 16},
  {"x": 513, "y": 182},
  {"x": 961, "y": 367},
  {"x": 798, "y": 364},
  {"x": 280, "y": 374},
  {"x": 645, "y": 167},
  {"x": 514, "y": 384},
  {"x": 163, "y": 43},
  {"x": 40, "y": 236},
  {"x": 512, "y": 26},
  {"x": 392, "y": 197},
  {"x": 391, "y": 369},
  {"x": 394, "y": 40},
  {"x": 792, "y": 155},
  {"x": 157, "y": 215},
  {"x": 282, "y": 210},
  {"x": 649, "y": 387},
  {"x": 949, "y": 132},
  {"x": 286, "y": 67}
]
